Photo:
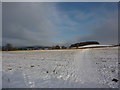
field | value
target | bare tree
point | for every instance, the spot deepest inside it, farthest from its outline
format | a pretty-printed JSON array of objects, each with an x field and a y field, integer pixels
[{"x": 9, "y": 47}]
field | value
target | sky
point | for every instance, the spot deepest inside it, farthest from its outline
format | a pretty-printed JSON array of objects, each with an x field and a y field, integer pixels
[
  {"x": 59, "y": 23},
  {"x": 0, "y": 24}
]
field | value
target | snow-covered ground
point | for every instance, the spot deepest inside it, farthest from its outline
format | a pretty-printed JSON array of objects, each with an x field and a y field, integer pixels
[
  {"x": 89, "y": 46},
  {"x": 79, "y": 68},
  {"x": 0, "y": 70}
]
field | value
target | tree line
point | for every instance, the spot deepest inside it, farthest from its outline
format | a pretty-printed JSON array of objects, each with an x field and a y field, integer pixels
[
  {"x": 10, "y": 47},
  {"x": 84, "y": 43}
]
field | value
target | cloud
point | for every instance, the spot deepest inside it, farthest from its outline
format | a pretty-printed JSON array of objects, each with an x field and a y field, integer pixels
[
  {"x": 26, "y": 24},
  {"x": 106, "y": 32},
  {"x": 99, "y": 24},
  {"x": 0, "y": 24}
]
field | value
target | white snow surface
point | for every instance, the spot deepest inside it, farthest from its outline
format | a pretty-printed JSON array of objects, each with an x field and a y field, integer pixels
[
  {"x": 79, "y": 68},
  {"x": 94, "y": 45}
]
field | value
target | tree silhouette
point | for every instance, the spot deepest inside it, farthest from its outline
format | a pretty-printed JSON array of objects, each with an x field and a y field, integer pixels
[
  {"x": 9, "y": 47},
  {"x": 84, "y": 43}
]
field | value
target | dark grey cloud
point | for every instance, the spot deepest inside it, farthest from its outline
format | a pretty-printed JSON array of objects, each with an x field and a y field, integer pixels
[{"x": 27, "y": 23}]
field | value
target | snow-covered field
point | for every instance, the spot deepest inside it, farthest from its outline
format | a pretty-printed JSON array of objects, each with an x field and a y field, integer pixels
[{"x": 78, "y": 68}]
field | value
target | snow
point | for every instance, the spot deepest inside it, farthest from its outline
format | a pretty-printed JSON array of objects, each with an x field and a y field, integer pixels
[
  {"x": 0, "y": 70},
  {"x": 79, "y": 68},
  {"x": 94, "y": 46}
]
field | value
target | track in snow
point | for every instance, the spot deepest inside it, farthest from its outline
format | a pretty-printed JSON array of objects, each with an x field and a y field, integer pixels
[{"x": 87, "y": 68}]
